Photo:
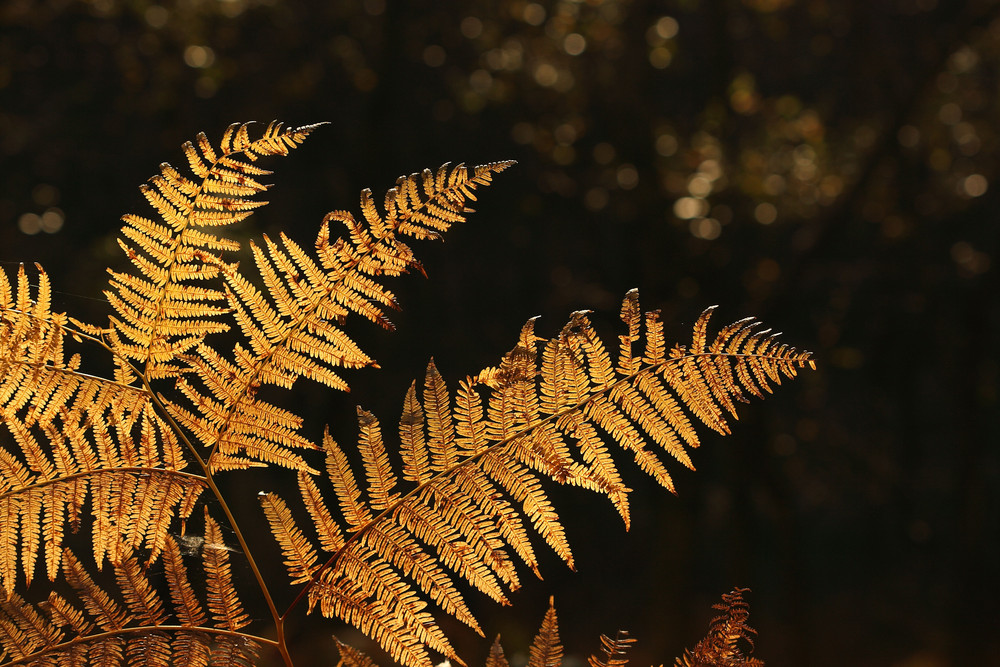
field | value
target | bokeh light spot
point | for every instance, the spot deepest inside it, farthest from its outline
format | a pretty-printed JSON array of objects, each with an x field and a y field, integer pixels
[
  {"x": 627, "y": 176},
  {"x": 699, "y": 186},
  {"x": 765, "y": 213},
  {"x": 534, "y": 14},
  {"x": 705, "y": 228},
  {"x": 596, "y": 199},
  {"x": 975, "y": 185},
  {"x": 156, "y": 16},
  {"x": 768, "y": 270},
  {"x": 546, "y": 75},
  {"x": 471, "y": 27},
  {"x": 199, "y": 56},
  {"x": 52, "y": 220},
  {"x": 604, "y": 153},
  {"x": 30, "y": 223},
  {"x": 667, "y": 27},
  {"x": 434, "y": 55},
  {"x": 666, "y": 144},
  {"x": 574, "y": 44},
  {"x": 950, "y": 113},
  {"x": 690, "y": 207},
  {"x": 660, "y": 57},
  {"x": 908, "y": 136},
  {"x": 523, "y": 133}
]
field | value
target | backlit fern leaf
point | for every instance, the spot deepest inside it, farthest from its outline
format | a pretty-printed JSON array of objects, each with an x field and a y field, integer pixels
[
  {"x": 159, "y": 313},
  {"x": 729, "y": 641},
  {"x": 477, "y": 459},
  {"x": 396, "y": 537},
  {"x": 295, "y": 324},
  {"x": 613, "y": 651},
  {"x": 546, "y": 651},
  {"x": 133, "y": 624},
  {"x": 77, "y": 436}
]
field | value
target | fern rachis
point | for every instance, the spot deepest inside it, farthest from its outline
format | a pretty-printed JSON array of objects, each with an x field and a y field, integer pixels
[{"x": 387, "y": 539}]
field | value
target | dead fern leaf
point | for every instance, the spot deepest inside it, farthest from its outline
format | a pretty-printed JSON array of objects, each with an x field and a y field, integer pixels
[
  {"x": 160, "y": 314},
  {"x": 546, "y": 651},
  {"x": 477, "y": 461},
  {"x": 133, "y": 624},
  {"x": 729, "y": 641}
]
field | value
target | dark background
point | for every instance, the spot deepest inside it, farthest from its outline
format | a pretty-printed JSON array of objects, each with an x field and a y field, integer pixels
[{"x": 830, "y": 167}]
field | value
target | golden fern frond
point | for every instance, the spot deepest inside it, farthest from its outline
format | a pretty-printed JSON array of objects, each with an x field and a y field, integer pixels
[
  {"x": 294, "y": 325},
  {"x": 496, "y": 658},
  {"x": 477, "y": 463},
  {"x": 546, "y": 651},
  {"x": 134, "y": 625},
  {"x": 728, "y": 633},
  {"x": 242, "y": 430},
  {"x": 159, "y": 313},
  {"x": 76, "y": 435},
  {"x": 223, "y": 602},
  {"x": 36, "y": 378},
  {"x": 613, "y": 651},
  {"x": 351, "y": 657}
]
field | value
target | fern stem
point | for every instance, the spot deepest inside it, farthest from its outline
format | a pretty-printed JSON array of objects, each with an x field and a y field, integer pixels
[
  {"x": 92, "y": 473},
  {"x": 280, "y": 643}
]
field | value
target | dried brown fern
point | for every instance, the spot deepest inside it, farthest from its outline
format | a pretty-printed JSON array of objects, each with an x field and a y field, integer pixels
[
  {"x": 721, "y": 647},
  {"x": 729, "y": 641},
  {"x": 475, "y": 461},
  {"x": 126, "y": 461}
]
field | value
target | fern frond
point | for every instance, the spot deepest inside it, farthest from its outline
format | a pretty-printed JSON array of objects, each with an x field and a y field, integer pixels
[
  {"x": 728, "y": 633},
  {"x": 242, "y": 430},
  {"x": 496, "y": 658},
  {"x": 294, "y": 325},
  {"x": 76, "y": 435},
  {"x": 300, "y": 557},
  {"x": 159, "y": 314},
  {"x": 135, "y": 495},
  {"x": 133, "y": 624},
  {"x": 546, "y": 651},
  {"x": 223, "y": 602},
  {"x": 613, "y": 651},
  {"x": 351, "y": 657},
  {"x": 36, "y": 378},
  {"x": 478, "y": 470}
]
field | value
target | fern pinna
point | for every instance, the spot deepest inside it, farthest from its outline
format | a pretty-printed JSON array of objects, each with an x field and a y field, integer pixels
[{"x": 125, "y": 461}]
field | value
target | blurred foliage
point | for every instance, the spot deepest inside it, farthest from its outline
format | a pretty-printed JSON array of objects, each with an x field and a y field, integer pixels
[{"x": 830, "y": 167}]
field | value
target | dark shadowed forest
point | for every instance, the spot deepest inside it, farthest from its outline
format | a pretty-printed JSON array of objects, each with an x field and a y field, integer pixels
[{"x": 830, "y": 167}]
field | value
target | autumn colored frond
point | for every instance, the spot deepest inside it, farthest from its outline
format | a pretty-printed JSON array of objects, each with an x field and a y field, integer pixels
[
  {"x": 163, "y": 305},
  {"x": 546, "y": 651},
  {"x": 76, "y": 436},
  {"x": 729, "y": 641},
  {"x": 386, "y": 536},
  {"x": 101, "y": 626},
  {"x": 613, "y": 651},
  {"x": 351, "y": 657},
  {"x": 293, "y": 317},
  {"x": 475, "y": 461}
]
